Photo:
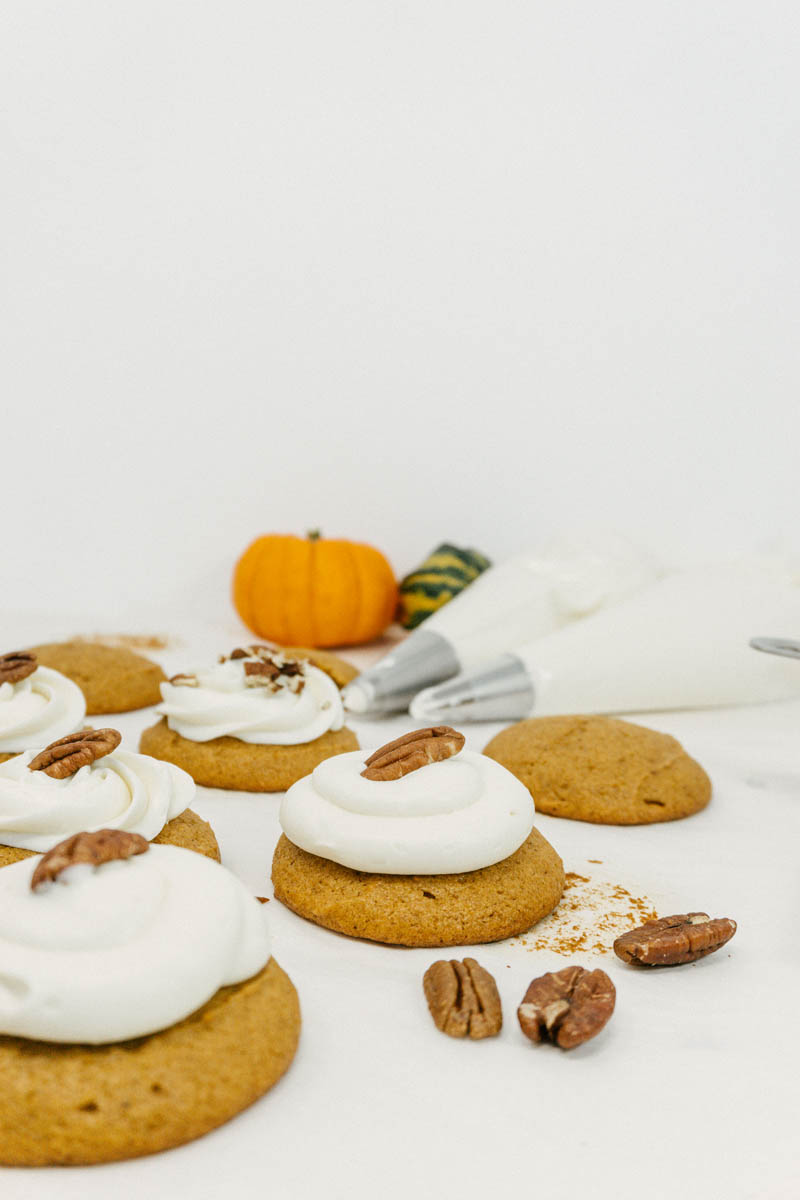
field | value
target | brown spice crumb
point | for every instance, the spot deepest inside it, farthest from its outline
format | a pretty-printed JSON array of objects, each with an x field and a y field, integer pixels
[
  {"x": 591, "y": 915},
  {"x": 595, "y": 860}
]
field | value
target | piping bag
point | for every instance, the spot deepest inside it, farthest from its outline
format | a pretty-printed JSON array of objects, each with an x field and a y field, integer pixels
[
  {"x": 682, "y": 642},
  {"x": 526, "y": 596}
]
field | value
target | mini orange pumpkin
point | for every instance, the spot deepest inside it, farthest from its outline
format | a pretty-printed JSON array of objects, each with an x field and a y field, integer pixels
[{"x": 314, "y": 591}]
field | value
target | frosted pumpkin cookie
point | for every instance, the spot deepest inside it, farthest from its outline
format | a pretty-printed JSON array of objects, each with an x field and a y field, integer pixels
[
  {"x": 37, "y": 704},
  {"x": 422, "y": 843},
  {"x": 257, "y": 721},
  {"x": 602, "y": 769},
  {"x": 112, "y": 678},
  {"x": 85, "y": 782},
  {"x": 141, "y": 1005}
]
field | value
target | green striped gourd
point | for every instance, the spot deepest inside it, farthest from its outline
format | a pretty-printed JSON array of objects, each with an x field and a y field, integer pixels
[{"x": 445, "y": 572}]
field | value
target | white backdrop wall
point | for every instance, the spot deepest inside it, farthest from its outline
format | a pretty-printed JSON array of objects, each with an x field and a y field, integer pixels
[{"x": 408, "y": 271}]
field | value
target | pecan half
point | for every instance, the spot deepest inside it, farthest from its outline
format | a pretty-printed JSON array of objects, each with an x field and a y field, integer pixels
[
  {"x": 674, "y": 940},
  {"x": 103, "y": 846},
  {"x": 567, "y": 1007},
  {"x": 19, "y": 664},
  {"x": 412, "y": 751},
  {"x": 463, "y": 999},
  {"x": 76, "y": 750}
]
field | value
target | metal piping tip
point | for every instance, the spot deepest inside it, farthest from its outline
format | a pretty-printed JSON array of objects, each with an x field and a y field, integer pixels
[
  {"x": 502, "y": 691},
  {"x": 783, "y": 646},
  {"x": 422, "y": 659}
]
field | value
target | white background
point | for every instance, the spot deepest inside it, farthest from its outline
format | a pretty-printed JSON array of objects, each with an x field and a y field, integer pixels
[
  {"x": 408, "y": 271},
  {"x": 416, "y": 271}
]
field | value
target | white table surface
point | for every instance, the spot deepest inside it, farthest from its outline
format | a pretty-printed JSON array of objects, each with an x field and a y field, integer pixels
[{"x": 689, "y": 1091}]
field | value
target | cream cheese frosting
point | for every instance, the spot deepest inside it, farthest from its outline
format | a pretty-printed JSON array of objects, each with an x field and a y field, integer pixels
[
  {"x": 460, "y": 814},
  {"x": 122, "y": 790},
  {"x": 39, "y": 709},
  {"x": 119, "y": 951},
  {"x": 221, "y": 703}
]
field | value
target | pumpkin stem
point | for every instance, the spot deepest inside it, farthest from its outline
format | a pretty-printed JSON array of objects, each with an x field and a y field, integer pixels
[{"x": 313, "y": 535}]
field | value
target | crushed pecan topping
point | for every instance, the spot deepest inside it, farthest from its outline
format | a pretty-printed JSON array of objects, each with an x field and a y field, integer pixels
[
  {"x": 567, "y": 1007},
  {"x": 413, "y": 750},
  {"x": 257, "y": 650},
  {"x": 183, "y": 680},
  {"x": 267, "y": 667},
  {"x": 463, "y": 999},
  {"x": 671, "y": 941},
  {"x": 76, "y": 750},
  {"x": 17, "y": 665},
  {"x": 103, "y": 846}
]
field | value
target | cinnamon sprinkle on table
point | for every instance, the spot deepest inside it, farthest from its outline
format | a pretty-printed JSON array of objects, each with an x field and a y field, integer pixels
[{"x": 590, "y": 916}]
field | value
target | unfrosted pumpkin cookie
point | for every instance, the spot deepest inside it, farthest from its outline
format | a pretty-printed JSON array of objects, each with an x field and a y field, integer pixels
[
  {"x": 112, "y": 678},
  {"x": 420, "y": 844},
  {"x": 602, "y": 769},
  {"x": 165, "y": 1013},
  {"x": 85, "y": 781},
  {"x": 257, "y": 721}
]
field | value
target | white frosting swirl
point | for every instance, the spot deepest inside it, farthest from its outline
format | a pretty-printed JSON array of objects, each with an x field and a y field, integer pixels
[
  {"x": 122, "y": 950},
  {"x": 38, "y": 710},
  {"x": 461, "y": 814},
  {"x": 121, "y": 791},
  {"x": 223, "y": 705}
]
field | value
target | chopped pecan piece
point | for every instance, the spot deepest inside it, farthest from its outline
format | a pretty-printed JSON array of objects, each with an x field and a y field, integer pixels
[
  {"x": 260, "y": 671},
  {"x": 463, "y": 999},
  {"x": 182, "y": 680},
  {"x": 567, "y": 1007},
  {"x": 103, "y": 846},
  {"x": 76, "y": 750},
  {"x": 259, "y": 650},
  {"x": 671, "y": 941},
  {"x": 17, "y": 665},
  {"x": 273, "y": 671},
  {"x": 413, "y": 750}
]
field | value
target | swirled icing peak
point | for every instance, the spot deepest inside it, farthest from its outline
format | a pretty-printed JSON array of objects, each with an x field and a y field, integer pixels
[
  {"x": 460, "y": 814},
  {"x": 124, "y": 949},
  {"x": 43, "y": 706},
  {"x": 122, "y": 790},
  {"x": 257, "y": 695}
]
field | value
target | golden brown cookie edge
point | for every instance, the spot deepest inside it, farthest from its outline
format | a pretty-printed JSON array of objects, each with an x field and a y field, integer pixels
[
  {"x": 234, "y": 765},
  {"x": 396, "y": 909},
  {"x": 149, "y": 1094}
]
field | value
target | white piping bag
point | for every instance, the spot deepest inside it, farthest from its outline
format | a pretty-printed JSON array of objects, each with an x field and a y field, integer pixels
[
  {"x": 524, "y": 597},
  {"x": 680, "y": 643}
]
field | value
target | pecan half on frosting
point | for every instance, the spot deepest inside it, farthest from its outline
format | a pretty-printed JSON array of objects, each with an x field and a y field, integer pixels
[
  {"x": 567, "y": 1007},
  {"x": 671, "y": 941},
  {"x": 67, "y": 755},
  {"x": 463, "y": 998},
  {"x": 412, "y": 751},
  {"x": 17, "y": 665},
  {"x": 102, "y": 846}
]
